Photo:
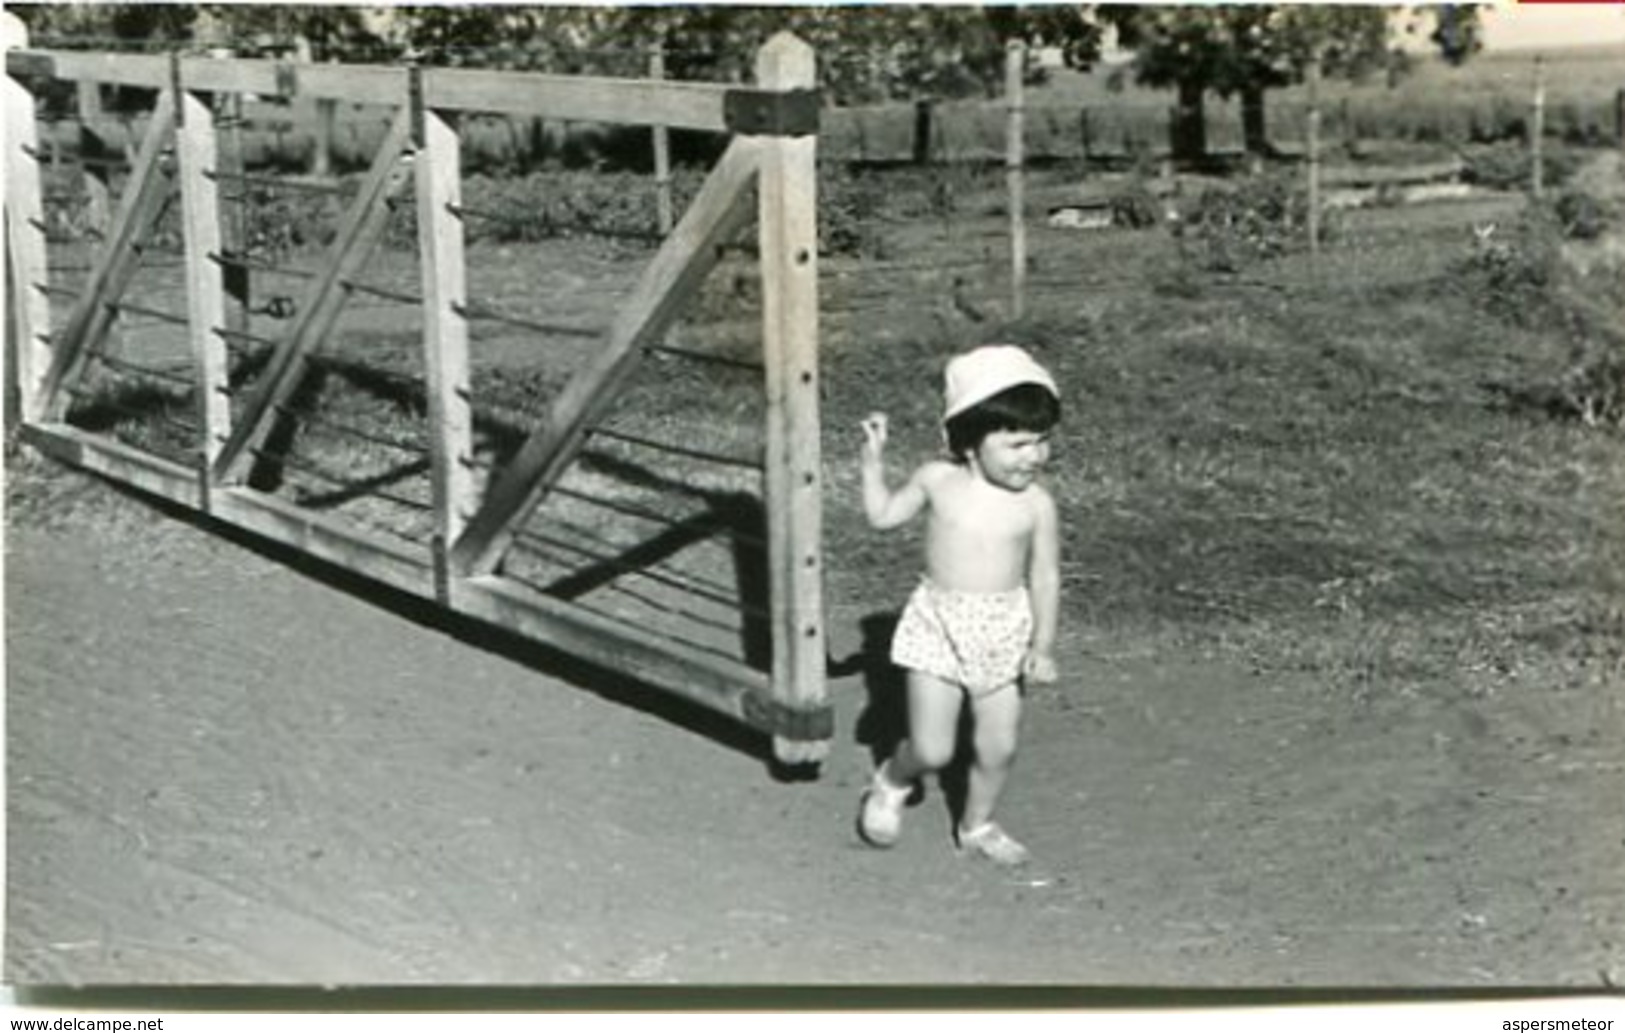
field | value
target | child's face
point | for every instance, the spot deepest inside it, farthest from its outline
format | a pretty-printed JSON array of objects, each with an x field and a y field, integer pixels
[{"x": 1012, "y": 459}]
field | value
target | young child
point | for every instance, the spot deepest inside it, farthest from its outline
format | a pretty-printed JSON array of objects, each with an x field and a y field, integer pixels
[{"x": 984, "y": 616}]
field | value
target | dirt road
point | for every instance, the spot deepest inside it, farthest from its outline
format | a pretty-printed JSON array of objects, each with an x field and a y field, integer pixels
[{"x": 226, "y": 770}]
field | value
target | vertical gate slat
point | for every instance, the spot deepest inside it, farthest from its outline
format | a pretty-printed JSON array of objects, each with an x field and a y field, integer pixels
[
  {"x": 445, "y": 334},
  {"x": 197, "y": 149}
]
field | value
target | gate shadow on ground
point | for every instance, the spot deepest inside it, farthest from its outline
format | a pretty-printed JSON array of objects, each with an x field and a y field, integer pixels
[
  {"x": 610, "y": 685},
  {"x": 883, "y": 722},
  {"x": 736, "y": 515}
]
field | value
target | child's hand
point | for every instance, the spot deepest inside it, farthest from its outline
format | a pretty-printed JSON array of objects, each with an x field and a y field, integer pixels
[
  {"x": 874, "y": 436},
  {"x": 1039, "y": 669}
]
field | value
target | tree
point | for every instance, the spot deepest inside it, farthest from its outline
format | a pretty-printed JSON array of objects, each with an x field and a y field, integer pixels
[
  {"x": 1247, "y": 50},
  {"x": 865, "y": 52},
  {"x": 107, "y": 26}
]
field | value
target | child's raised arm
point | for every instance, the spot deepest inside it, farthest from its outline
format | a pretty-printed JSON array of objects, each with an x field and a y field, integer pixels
[{"x": 884, "y": 507}]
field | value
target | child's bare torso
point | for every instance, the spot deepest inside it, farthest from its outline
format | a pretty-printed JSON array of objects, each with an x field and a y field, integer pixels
[{"x": 978, "y": 536}]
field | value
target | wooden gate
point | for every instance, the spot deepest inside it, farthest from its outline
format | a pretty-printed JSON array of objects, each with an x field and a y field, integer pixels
[{"x": 237, "y": 390}]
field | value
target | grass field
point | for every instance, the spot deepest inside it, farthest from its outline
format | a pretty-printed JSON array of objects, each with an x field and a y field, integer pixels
[{"x": 1313, "y": 466}]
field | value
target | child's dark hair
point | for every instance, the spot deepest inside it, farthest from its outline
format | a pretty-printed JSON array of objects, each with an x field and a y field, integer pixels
[{"x": 1024, "y": 407}]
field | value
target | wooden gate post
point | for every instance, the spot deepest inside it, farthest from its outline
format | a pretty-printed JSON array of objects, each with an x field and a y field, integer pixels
[
  {"x": 27, "y": 353},
  {"x": 788, "y": 218},
  {"x": 197, "y": 152},
  {"x": 445, "y": 329}
]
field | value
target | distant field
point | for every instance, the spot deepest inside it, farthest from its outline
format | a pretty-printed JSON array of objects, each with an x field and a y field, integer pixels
[{"x": 1487, "y": 98}]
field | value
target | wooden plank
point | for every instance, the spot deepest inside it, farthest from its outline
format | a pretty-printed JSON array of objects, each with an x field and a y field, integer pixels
[
  {"x": 578, "y": 98},
  {"x": 150, "y": 70},
  {"x": 445, "y": 334},
  {"x": 89, "y": 321},
  {"x": 327, "y": 538},
  {"x": 232, "y": 75},
  {"x": 788, "y": 204},
  {"x": 357, "y": 84},
  {"x": 362, "y": 227},
  {"x": 713, "y": 681},
  {"x": 675, "y": 272},
  {"x": 197, "y": 151},
  {"x": 23, "y": 63},
  {"x": 114, "y": 460},
  {"x": 26, "y": 255}
]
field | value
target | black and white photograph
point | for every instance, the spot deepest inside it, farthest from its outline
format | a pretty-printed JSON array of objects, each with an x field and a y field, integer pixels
[{"x": 621, "y": 500}]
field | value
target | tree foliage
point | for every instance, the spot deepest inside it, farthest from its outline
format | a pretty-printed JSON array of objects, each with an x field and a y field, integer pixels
[
  {"x": 865, "y": 52},
  {"x": 1247, "y": 50}
]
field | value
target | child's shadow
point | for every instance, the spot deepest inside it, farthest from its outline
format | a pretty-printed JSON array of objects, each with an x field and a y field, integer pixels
[{"x": 884, "y": 720}]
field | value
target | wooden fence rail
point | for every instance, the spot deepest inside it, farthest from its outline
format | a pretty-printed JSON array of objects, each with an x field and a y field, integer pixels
[{"x": 771, "y": 154}]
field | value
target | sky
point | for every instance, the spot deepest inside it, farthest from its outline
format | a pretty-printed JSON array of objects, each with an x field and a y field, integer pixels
[{"x": 1525, "y": 25}]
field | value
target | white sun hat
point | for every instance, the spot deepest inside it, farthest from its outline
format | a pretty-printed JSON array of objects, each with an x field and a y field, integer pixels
[{"x": 978, "y": 375}]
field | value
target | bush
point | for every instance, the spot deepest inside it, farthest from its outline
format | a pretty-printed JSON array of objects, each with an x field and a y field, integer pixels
[
  {"x": 1263, "y": 217},
  {"x": 850, "y": 208},
  {"x": 1510, "y": 166},
  {"x": 1581, "y": 215},
  {"x": 1512, "y": 270},
  {"x": 1135, "y": 206}
]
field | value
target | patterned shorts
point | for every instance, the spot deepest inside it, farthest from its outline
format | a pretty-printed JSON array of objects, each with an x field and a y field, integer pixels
[{"x": 974, "y": 639}]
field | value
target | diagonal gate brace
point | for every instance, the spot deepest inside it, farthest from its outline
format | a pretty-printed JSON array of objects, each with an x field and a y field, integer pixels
[
  {"x": 88, "y": 323},
  {"x": 284, "y": 374},
  {"x": 681, "y": 264}
]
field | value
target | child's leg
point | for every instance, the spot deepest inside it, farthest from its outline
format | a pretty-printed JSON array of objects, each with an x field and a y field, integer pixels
[
  {"x": 933, "y": 723},
  {"x": 997, "y": 719},
  {"x": 933, "y": 726}
]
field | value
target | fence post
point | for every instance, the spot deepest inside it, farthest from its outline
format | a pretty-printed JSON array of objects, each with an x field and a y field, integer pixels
[
  {"x": 321, "y": 161},
  {"x": 1314, "y": 155},
  {"x": 445, "y": 328},
  {"x": 27, "y": 355},
  {"x": 1015, "y": 64},
  {"x": 787, "y": 196},
  {"x": 1537, "y": 131},
  {"x": 1619, "y": 126},
  {"x": 197, "y": 149},
  {"x": 662, "y": 144},
  {"x": 922, "y": 131}
]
